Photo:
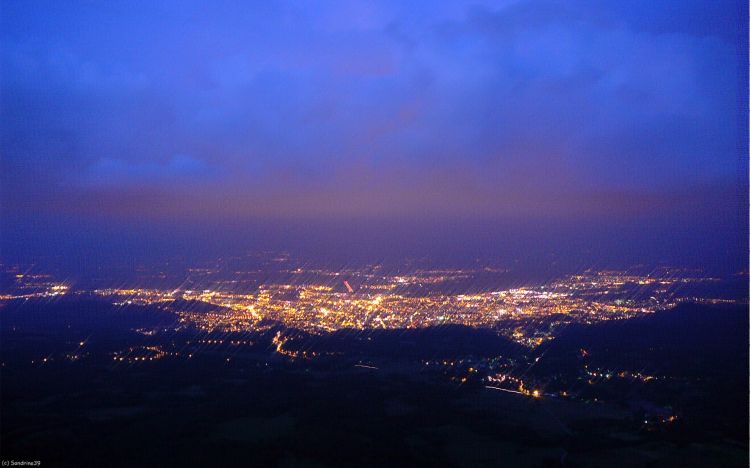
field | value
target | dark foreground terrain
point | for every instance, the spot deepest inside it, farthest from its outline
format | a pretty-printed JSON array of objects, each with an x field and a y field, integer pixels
[{"x": 669, "y": 389}]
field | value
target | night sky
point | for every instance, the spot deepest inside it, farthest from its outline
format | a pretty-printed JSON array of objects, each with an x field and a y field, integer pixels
[{"x": 591, "y": 130}]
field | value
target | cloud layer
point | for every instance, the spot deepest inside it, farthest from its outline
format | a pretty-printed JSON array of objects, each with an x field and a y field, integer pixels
[{"x": 517, "y": 108}]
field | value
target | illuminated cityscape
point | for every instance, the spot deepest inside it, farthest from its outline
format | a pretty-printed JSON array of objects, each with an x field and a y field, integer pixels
[
  {"x": 227, "y": 316},
  {"x": 527, "y": 315}
]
